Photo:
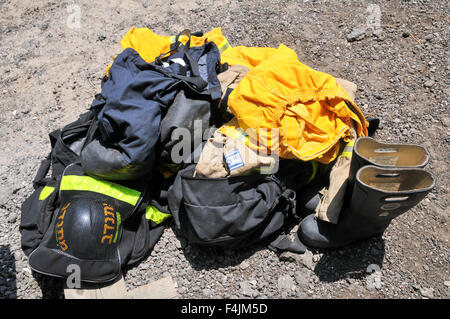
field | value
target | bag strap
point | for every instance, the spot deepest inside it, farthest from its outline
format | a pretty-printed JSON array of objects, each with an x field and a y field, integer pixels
[
  {"x": 42, "y": 171},
  {"x": 283, "y": 242},
  {"x": 177, "y": 46}
]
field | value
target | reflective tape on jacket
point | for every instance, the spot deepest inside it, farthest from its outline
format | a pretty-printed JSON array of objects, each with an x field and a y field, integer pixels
[
  {"x": 315, "y": 168},
  {"x": 86, "y": 183},
  {"x": 348, "y": 149},
  {"x": 154, "y": 214},
  {"x": 45, "y": 192}
]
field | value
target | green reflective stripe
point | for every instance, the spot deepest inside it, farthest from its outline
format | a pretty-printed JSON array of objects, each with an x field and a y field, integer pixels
[
  {"x": 119, "y": 221},
  {"x": 315, "y": 167},
  {"x": 154, "y": 214},
  {"x": 86, "y": 183},
  {"x": 45, "y": 192}
]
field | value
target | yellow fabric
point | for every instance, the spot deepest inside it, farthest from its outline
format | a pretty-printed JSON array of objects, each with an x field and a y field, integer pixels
[
  {"x": 252, "y": 56},
  {"x": 86, "y": 183},
  {"x": 307, "y": 106},
  {"x": 45, "y": 192},
  {"x": 154, "y": 214},
  {"x": 150, "y": 45}
]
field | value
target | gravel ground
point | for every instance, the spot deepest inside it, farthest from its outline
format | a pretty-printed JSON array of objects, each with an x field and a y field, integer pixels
[{"x": 50, "y": 71}]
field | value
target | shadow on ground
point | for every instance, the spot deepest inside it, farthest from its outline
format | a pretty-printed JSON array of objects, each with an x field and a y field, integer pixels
[
  {"x": 51, "y": 287},
  {"x": 356, "y": 261},
  {"x": 206, "y": 258},
  {"x": 8, "y": 284}
]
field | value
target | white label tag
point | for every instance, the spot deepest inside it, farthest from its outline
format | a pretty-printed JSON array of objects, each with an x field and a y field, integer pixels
[
  {"x": 234, "y": 160},
  {"x": 179, "y": 61}
]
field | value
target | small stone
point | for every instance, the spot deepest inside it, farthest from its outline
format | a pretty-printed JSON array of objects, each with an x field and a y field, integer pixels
[
  {"x": 429, "y": 83},
  {"x": 446, "y": 121},
  {"x": 447, "y": 283},
  {"x": 244, "y": 265},
  {"x": 429, "y": 37},
  {"x": 286, "y": 282},
  {"x": 427, "y": 292},
  {"x": 301, "y": 277},
  {"x": 101, "y": 36},
  {"x": 12, "y": 218},
  {"x": 246, "y": 289},
  {"x": 405, "y": 34},
  {"x": 207, "y": 292},
  {"x": 357, "y": 34},
  {"x": 307, "y": 260}
]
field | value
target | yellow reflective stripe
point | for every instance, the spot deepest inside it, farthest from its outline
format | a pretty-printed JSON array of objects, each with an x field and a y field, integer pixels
[
  {"x": 45, "y": 192},
  {"x": 240, "y": 135},
  {"x": 351, "y": 143},
  {"x": 347, "y": 149},
  {"x": 154, "y": 214},
  {"x": 315, "y": 167},
  {"x": 86, "y": 183},
  {"x": 346, "y": 154},
  {"x": 119, "y": 221},
  {"x": 223, "y": 45},
  {"x": 172, "y": 39}
]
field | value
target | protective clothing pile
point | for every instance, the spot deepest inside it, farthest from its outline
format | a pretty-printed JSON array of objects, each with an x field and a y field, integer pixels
[{"x": 235, "y": 143}]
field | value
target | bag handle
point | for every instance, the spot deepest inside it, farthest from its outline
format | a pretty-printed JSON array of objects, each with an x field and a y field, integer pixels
[{"x": 196, "y": 79}]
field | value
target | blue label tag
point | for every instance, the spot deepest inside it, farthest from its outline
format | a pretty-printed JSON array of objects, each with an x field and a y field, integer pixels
[{"x": 234, "y": 160}]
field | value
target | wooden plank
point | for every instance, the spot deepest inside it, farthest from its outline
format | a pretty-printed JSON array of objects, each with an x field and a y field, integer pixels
[
  {"x": 160, "y": 289},
  {"x": 116, "y": 290}
]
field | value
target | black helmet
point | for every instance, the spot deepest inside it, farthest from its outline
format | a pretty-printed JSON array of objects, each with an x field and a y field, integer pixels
[{"x": 88, "y": 229}]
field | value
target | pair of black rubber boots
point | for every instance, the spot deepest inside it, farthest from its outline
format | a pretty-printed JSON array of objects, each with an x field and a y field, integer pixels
[{"x": 385, "y": 181}]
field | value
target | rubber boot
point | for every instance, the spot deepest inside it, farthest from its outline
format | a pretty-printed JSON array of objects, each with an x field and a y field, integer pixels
[
  {"x": 379, "y": 195},
  {"x": 368, "y": 151}
]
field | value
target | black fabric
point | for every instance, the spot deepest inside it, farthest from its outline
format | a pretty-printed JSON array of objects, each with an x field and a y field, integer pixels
[
  {"x": 67, "y": 142},
  {"x": 190, "y": 116},
  {"x": 36, "y": 215},
  {"x": 92, "y": 229},
  {"x": 39, "y": 215},
  {"x": 232, "y": 212}
]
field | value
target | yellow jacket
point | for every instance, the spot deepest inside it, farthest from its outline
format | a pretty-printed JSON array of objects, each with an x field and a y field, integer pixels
[
  {"x": 150, "y": 45},
  {"x": 310, "y": 109}
]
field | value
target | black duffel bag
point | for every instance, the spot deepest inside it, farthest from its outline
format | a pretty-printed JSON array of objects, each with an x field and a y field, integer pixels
[{"x": 230, "y": 212}]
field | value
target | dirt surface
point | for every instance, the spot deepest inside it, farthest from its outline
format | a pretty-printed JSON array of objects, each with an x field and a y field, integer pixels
[{"x": 50, "y": 70}]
